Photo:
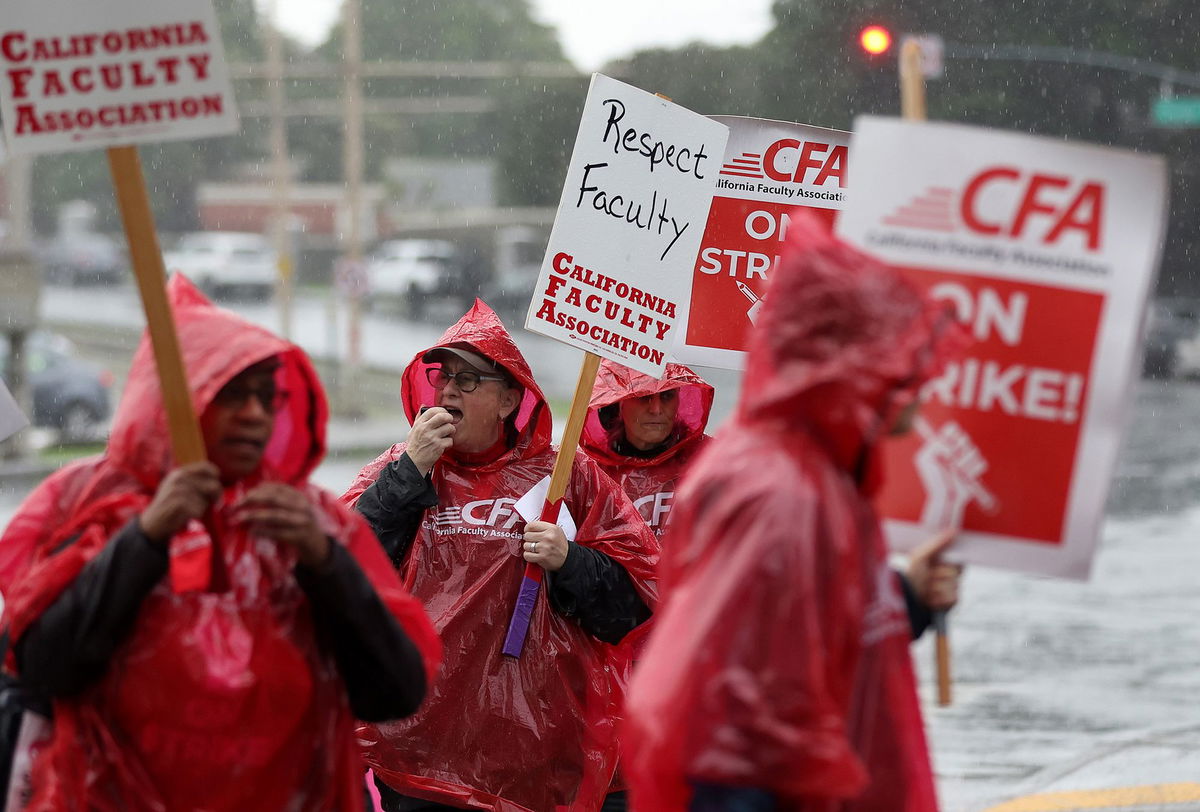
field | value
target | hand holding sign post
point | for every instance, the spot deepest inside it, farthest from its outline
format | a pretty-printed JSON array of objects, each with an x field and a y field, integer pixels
[{"x": 614, "y": 280}]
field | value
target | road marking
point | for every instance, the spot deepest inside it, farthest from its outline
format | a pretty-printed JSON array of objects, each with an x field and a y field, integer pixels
[{"x": 1102, "y": 798}]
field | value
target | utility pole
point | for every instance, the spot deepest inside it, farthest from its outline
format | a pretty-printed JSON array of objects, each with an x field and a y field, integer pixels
[
  {"x": 280, "y": 179},
  {"x": 352, "y": 248}
]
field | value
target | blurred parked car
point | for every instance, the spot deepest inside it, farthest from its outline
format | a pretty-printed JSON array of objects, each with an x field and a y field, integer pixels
[
  {"x": 83, "y": 258},
  {"x": 408, "y": 273},
  {"x": 69, "y": 394},
  {"x": 226, "y": 263},
  {"x": 519, "y": 252},
  {"x": 1172, "y": 337}
]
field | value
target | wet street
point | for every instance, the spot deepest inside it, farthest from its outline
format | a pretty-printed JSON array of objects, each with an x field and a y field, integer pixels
[{"x": 1059, "y": 686}]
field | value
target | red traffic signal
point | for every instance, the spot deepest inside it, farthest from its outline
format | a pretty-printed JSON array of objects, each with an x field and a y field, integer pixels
[{"x": 875, "y": 39}]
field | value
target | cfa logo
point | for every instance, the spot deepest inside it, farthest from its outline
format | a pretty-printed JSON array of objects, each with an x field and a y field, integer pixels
[
  {"x": 1050, "y": 206},
  {"x": 829, "y": 163},
  {"x": 480, "y": 513},
  {"x": 655, "y": 508},
  {"x": 790, "y": 160}
]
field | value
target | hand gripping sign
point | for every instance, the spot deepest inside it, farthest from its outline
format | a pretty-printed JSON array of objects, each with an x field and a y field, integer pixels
[
  {"x": 770, "y": 168},
  {"x": 615, "y": 277},
  {"x": 1046, "y": 250},
  {"x": 76, "y": 76}
]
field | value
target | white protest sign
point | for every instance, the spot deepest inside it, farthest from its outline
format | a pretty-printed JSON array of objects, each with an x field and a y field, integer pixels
[
  {"x": 12, "y": 419},
  {"x": 770, "y": 169},
  {"x": 615, "y": 278},
  {"x": 76, "y": 76},
  {"x": 1047, "y": 251}
]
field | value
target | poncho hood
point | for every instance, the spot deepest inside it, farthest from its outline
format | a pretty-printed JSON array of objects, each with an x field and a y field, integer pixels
[
  {"x": 615, "y": 383},
  {"x": 217, "y": 345},
  {"x": 481, "y": 331},
  {"x": 843, "y": 346}
]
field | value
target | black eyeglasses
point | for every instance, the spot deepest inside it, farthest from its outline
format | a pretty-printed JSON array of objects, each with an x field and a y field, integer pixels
[
  {"x": 270, "y": 398},
  {"x": 466, "y": 381}
]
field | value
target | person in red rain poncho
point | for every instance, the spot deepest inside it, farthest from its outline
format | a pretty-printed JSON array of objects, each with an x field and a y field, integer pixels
[
  {"x": 532, "y": 733},
  {"x": 644, "y": 432},
  {"x": 777, "y": 676},
  {"x": 208, "y": 633}
]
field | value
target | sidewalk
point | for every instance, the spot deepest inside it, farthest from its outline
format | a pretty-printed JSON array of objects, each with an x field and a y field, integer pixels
[{"x": 1163, "y": 760}]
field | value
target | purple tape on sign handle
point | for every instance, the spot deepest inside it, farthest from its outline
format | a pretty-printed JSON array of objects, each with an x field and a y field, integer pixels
[{"x": 518, "y": 626}]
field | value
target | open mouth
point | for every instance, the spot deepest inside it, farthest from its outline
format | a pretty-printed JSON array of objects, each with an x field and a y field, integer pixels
[{"x": 456, "y": 415}]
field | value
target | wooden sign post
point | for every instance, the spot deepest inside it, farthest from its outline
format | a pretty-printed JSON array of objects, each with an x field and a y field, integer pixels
[
  {"x": 146, "y": 258},
  {"x": 531, "y": 583},
  {"x": 912, "y": 108}
]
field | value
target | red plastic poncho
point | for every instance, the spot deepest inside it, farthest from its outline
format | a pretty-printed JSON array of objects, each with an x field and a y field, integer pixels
[
  {"x": 648, "y": 481},
  {"x": 534, "y": 733},
  {"x": 780, "y": 659},
  {"x": 218, "y": 701}
]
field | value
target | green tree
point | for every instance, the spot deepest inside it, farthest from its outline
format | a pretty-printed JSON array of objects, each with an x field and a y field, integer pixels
[
  {"x": 701, "y": 77},
  {"x": 527, "y": 117}
]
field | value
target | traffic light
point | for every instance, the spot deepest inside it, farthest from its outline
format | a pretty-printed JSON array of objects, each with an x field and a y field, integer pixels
[
  {"x": 872, "y": 47},
  {"x": 875, "y": 40}
]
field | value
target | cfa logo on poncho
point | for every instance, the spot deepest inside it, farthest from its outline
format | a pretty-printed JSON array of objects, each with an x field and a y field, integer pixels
[
  {"x": 655, "y": 508},
  {"x": 477, "y": 518}
]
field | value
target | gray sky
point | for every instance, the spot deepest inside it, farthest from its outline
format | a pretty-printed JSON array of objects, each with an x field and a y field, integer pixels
[{"x": 592, "y": 32}]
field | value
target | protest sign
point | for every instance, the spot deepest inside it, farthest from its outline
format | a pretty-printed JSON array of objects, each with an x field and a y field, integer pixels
[
  {"x": 1046, "y": 252},
  {"x": 74, "y": 76},
  {"x": 770, "y": 169},
  {"x": 81, "y": 75},
  {"x": 624, "y": 240},
  {"x": 615, "y": 277}
]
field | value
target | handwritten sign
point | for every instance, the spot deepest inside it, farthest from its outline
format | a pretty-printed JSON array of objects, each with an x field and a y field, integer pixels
[
  {"x": 1046, "y": 252},
  {"x": 636, "y": 197},
  {"x": 770, "y": 169},
  {"x": 76, "y": 76}
]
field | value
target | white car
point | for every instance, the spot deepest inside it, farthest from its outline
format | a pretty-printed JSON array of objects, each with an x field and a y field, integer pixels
[
  {"x": 409, "y": 272},
  {"x": 226, "y": 262}
]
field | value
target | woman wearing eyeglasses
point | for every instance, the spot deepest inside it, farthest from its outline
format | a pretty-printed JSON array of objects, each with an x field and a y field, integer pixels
[
  {"x": 501, "y": 733},
  {"x": 207, "y": 634}
]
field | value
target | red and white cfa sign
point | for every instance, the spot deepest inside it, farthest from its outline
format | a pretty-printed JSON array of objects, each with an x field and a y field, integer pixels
[
  {"x": 770, "y": 169},
  {"x": 76, "y": 76},
  {"x": 615, "y": 276},
  {"x": 1047, "y": 251}
]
